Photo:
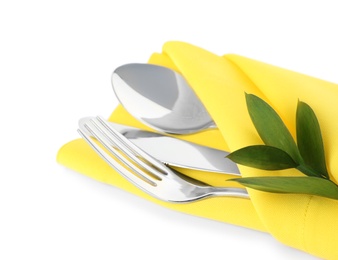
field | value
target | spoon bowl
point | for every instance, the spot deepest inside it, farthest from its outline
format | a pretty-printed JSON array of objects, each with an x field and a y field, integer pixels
[{"x": 160, "y": 98}]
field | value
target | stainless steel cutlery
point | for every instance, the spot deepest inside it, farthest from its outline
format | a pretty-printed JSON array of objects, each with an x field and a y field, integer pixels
[
  {"x": 163, "y": 100},
  {"x": 143, "y": 170},
  {"x": 176, "y": 152}
]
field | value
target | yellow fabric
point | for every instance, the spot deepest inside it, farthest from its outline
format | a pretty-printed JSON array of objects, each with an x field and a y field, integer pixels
[{"x": 306, "y": 222}]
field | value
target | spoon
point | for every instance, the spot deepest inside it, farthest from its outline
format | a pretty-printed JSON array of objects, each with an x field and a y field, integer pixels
[{"x": 160, "y": 98}]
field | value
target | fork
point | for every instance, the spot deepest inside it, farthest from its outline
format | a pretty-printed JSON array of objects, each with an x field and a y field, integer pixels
[{"x": 144, "y": 171}]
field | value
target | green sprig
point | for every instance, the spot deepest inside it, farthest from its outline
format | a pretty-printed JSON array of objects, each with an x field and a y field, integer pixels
[{"x": 281, "y": 152}]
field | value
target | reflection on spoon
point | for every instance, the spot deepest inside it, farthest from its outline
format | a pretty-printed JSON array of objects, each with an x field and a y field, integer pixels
[{"x": 160, "y": 98}]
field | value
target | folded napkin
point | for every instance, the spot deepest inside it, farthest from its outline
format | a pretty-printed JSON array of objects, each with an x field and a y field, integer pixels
[{"x": 306, "y": 222}]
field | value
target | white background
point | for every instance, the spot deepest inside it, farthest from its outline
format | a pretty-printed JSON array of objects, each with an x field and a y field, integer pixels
[{"x": 56, "y": 58}]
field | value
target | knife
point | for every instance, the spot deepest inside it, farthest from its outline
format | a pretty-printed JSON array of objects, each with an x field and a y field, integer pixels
[{"x": 175, "y": 152}]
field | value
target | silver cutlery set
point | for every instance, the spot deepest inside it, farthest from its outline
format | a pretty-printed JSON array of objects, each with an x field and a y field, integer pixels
[{"x": 161, "y": 99}]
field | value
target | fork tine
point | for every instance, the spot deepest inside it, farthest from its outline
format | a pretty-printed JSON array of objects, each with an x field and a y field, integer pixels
[
  {"x": 117, "y": 140},
  {"x": 97, "y": 134},
  {"x": 144, "y": 185},
  {"x": 134, "y": 149}
]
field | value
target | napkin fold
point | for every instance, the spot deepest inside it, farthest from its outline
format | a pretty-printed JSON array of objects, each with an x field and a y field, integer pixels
[{"x": 306, "y": 222}]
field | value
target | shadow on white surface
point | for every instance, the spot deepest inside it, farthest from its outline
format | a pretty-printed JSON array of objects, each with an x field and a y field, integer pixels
[{"x": 129, "y": 225}]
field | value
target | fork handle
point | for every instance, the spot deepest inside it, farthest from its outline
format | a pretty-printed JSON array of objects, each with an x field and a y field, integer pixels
[{"x": 228, "y": 192}]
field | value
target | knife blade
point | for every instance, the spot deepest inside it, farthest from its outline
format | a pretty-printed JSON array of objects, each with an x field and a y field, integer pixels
[{"x": 176, "y": 152}]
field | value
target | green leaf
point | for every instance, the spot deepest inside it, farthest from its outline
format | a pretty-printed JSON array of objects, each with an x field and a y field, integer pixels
[
  {"x": 270, "y": 126},
  {"x": 309, "y": 139},
  {"x": 296, "y": 185},
  {"x": 263, "y": 157}
]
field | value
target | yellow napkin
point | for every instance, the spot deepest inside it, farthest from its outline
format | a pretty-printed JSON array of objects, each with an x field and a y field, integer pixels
[{"x": 309, "y": 223}]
